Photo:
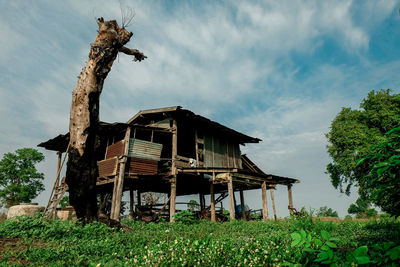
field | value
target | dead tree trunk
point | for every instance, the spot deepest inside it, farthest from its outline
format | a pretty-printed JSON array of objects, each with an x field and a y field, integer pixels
[{"x": 82, "y": 169}]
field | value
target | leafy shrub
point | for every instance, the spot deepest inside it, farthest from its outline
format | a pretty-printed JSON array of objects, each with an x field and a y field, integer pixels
[
  {"x": 326, "y": 251},
  {"x": 326, "y": 212},
  {"x": 348, "y": 217},
  {"x": 185, "y": 217}
]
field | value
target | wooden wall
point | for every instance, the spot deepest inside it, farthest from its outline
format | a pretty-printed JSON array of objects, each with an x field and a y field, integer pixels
[{"x": 221, "y": 153}]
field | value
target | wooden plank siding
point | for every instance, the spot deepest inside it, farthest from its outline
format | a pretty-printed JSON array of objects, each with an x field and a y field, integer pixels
[{"x": 221, "y": 153}]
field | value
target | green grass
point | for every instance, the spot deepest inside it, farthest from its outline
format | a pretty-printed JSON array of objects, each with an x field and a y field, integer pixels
[{"x": 41, "y": 242}]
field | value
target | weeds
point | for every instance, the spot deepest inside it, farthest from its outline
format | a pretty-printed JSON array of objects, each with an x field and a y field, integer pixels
[{"x": 200, "y": 244}]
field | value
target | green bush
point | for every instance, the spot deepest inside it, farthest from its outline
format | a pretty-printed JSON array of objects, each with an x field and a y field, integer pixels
[{"x": 185, "y": 217}]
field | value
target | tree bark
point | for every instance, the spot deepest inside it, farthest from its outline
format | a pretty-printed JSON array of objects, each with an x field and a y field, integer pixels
[{"x": 82, "y": 169}]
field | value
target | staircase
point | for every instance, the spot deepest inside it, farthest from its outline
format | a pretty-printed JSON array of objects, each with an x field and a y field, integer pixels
[{"x": 57, "y": 193}]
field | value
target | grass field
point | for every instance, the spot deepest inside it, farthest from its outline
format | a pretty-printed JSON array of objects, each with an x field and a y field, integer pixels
[{"x": 39, "y": 242}]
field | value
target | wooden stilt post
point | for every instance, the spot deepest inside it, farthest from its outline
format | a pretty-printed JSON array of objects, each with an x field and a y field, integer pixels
[
  {"x": 264, "y": 200},
  {"x": 173, "y": 171},
  {"x": 231, "y": 200},
  {"x": 139, "y": 200},
  {"x": 289, "y": 187},
  {"x": 59, "y": 154},
  {"x": 172, "y": 201},
  {"x": 119, "y": 181},
  {"x": 212, "y": 201},
  {"x": 242, "y": 205},
  {"x": 234, "y": 201},
  {"x": 273, "y": 202},
  {"x": 202, "y": 201},
  {"x": 131, "y": 203}
]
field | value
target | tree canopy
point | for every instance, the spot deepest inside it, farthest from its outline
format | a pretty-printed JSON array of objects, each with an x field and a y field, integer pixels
[
  {"x": 19, "y": 179},
  {"x": 362, "y": 209},
  {"x": 326, "y": 212},
  {"x": 353, "y": 135}
]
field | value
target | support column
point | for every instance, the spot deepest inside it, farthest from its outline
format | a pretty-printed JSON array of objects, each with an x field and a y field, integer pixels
[
  {"x": 139, "y": 200},
  {"x": 172, "y": 200},
  {"x": 289, "y": 187},
  {"x": 59, "y": 154},
  {"x": 273, "y": 202},
  {"x": 174, "y": 172},
  {"x": 231, "y": 200},
  {"x": 264, "y": 200},
  {"x": 242, "y": 205},
  {"x": 212, "y": 202},
  {"x": 131, "y": 203},
  {"x": 119, "y": 181},
  {"x": 202, "y": 201}
]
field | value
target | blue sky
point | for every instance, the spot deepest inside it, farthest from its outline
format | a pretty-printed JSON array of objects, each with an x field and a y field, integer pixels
[{"x": 277, "y": 70}]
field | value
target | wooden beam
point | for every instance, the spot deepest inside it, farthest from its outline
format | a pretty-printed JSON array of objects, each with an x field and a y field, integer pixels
[
  {"x": 150, "y": 111},
  {"x": 264, "y": 200},
  {"x": 206, "y": 170},
  {"x": 105, "y": 154},
  {"x": 212, "y": 201},
  {"x": 174, "y": 171},
  {"x": 119, "y": 182},
  {"x": 139, "y": 200},
  {"x": 289, "y": 187},
  {"x": 231, "y": 200},
  {"x": 131, "y": 203},
  {"x": 273, "y": 203},
  {"x": 172, "y": 201},
  {"x": 196, "y": 147},
  {"x": 202, "y": 201},
  {"x": 242, "y": 204},
  {"x": 107, "y": 181},
  {"x": 59, "y": 154},
  {"x": 174, "y": 147}
]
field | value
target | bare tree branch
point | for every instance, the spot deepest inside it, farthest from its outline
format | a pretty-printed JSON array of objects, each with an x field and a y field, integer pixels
[
  {"x": 139, "y": 56},
  {"x": 127, "y": 14}
]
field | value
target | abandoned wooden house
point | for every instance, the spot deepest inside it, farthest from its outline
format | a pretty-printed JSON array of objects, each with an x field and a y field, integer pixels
[{"x": 176, "y": 152}]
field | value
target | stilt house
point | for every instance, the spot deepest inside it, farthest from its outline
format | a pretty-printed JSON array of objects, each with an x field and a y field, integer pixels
[{"x": 174, "y": 151}]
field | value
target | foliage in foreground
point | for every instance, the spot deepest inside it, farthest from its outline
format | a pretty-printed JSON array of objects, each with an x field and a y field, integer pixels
[
  {"x": 325, "y": 250},
  {"x": 43, "y": 242},
  {"x": 383, "y": 178}
]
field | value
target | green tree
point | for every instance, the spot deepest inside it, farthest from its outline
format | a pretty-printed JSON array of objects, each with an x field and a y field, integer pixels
[
  {"x": 326, "y": 212},
  {"x": 193, "y": 205},
  {"x": 383, "y": 173},
  {"x": 19, "y": 179},
  {"x": 352, "y": 135},
  {"x": 362, "y": 209},
  {"x": 64, "y": 202}
]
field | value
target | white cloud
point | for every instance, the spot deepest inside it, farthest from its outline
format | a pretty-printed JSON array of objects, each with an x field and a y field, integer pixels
[
  {"x": 211, "y": 58},
  {"x": 9, "y": 45}
]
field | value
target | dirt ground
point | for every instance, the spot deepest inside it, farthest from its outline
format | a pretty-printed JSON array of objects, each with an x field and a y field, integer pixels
[{"x": 15, "y": 245}]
